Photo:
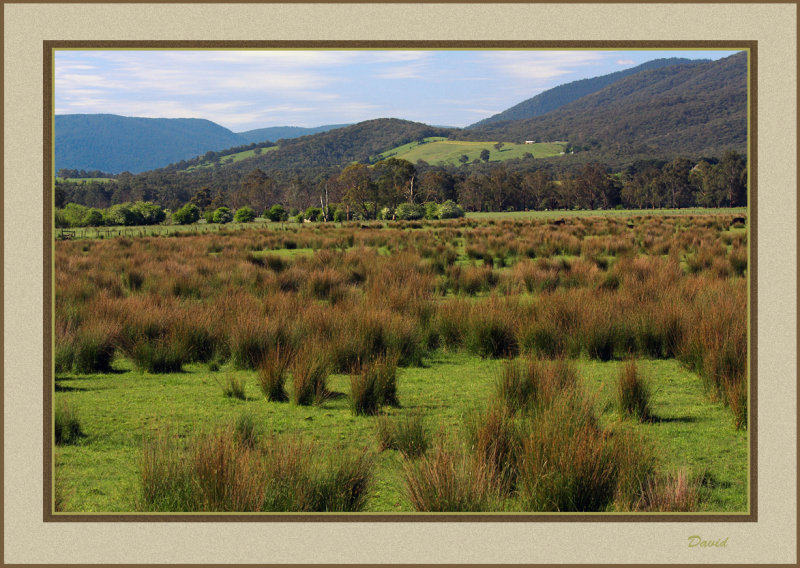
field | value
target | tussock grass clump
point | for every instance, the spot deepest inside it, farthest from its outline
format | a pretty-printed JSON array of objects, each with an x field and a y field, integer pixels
[
  {"x": 531, "y": 383},
  {"x": 405, "y": 434},
  {"x": 674, "y": 493},
  {"x": 568, "y": 462},
  {"x": 245, "y": 430},
  {"x": 164, "y": 355},
  {"x": 233, "y": 387},
  {"x": 448, "y": 481},
  {"x": 66, "y": 425},
  {"x": 633, "y": 393},
  {"x": 225, "y": 472},
  {"x": 373, "y": 385},
  {"x": 272, "y": 374},
  {"x": 496, "y": 442},
  {"x": 94, "y": 346},
  {"x": 492, "y": 331},
  {"x": 309, "y": 369}
]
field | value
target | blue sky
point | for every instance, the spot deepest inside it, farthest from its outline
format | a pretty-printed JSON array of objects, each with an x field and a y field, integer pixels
[{"x": 247, "y": 89}]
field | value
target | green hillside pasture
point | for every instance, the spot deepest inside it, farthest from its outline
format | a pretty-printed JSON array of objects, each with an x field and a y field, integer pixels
[
  {"x": 440, "y": 150},
  {"x": 82, "y": 181},
  {"x": 101, "y": 472},
  {"x": 230, "y": 159}
]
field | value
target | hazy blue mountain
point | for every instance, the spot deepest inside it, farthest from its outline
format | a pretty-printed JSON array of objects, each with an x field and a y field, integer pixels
[{"x": 114, "y": 144}]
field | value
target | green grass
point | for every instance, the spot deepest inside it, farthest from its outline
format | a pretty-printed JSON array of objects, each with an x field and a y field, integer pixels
[
  {"x": 230, "y": 158},
  {"x": 438, "y": 150},
  {"x": 117, "y": 410},
  {"x": 559, "y": 213}
]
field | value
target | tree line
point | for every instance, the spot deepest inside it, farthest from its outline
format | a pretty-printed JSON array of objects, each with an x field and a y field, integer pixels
[{"x": 367, "y": 191}]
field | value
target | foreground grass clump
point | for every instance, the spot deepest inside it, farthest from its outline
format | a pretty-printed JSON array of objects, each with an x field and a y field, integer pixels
[
  {"x": 448, "y": 481},
  {"x": 309, "y": 376},
  {"x": 67, "y": 425},
  {"x": 528, "y": 383},
  {"x": 272, "y": 374},
  {"x": 374, "y": 385},
  {"x": 223, "y": 472},
  {"x": 633, "y": 393},
  {"x": 408, "y": 434}
]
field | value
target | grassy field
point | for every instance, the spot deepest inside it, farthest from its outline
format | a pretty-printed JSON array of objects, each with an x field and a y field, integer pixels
[
  {"x": 596, "y": 365},
  {"x": 438, "y": 150},
  {"x": 117, "y": 409},
  {"x": 230, "y": 158}
]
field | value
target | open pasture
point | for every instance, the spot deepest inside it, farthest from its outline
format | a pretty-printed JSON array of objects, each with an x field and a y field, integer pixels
[
  {"x": 509, "y": 365},
  {"x": 437, "y": 150}
]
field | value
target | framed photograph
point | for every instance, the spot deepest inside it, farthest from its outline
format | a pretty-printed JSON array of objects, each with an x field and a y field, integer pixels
[{"x": 347, "y": 289}]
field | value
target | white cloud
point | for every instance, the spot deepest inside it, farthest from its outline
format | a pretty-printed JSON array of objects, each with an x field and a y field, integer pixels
[
  {"x": 625, "y": 62},
  {"x": 541, "y": 64}
]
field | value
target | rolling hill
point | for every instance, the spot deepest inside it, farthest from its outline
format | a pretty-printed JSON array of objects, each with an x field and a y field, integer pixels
[
  {"x": 556, "y": 97},
  {"x": 114, "y": 144},
  {"x": 275, "y": 133}
]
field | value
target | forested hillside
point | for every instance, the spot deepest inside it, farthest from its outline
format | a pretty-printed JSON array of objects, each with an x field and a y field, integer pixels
[
  {"x": 556, "y": 97},
  {"x": 275, "y": 133},
  {"x": 666, "y": 112}
]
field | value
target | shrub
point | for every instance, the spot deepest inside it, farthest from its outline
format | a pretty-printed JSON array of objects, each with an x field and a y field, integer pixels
[
  {"x": 66, "y": 425},
  {"x": 313, "y": 213},
  {"x": 272, "y": 374},
  {"x": 633, "y": 393},
  {"x": 409, "y": 212},
  {"x": 222, "y": 215},
  {"x": 450, "y": 210},
  {"x": 244, "y": 215},
  {"x": 187, "y": 214},
  {"x": 276, "y": 213},
  {"x": 340, "y": 215},
  {"x": 406, "y": 434}
]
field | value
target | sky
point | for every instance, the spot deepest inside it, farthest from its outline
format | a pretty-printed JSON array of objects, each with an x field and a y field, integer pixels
[{"x": 248, "y": 89}]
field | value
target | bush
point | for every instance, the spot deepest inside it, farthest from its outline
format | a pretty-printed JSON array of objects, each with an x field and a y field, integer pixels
[
  {"x": 276, "y": 213},
  {"x": 66, "y": 425},
  {"x": 244, "y": 215},
  {"x": 450, "y": 210},
  {"x": 187, "y": 214},
  {"x": 222, "y": 215},
  {"x": 340, "y": 215},
  {"x": 313, "y": 213},
  {"x": 633, "y": 393},
  {"x": 409, "y": 212},
  {"x": 431, "y": 210}
]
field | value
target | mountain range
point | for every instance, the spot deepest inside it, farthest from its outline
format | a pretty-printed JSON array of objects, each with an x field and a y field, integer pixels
[{"x": 660, "y": 109}]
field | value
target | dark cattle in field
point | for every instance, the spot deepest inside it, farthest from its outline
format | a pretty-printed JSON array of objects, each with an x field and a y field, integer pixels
[
  {"x": 559, "y": 222},
  {"x": 738, "y": 220}
]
